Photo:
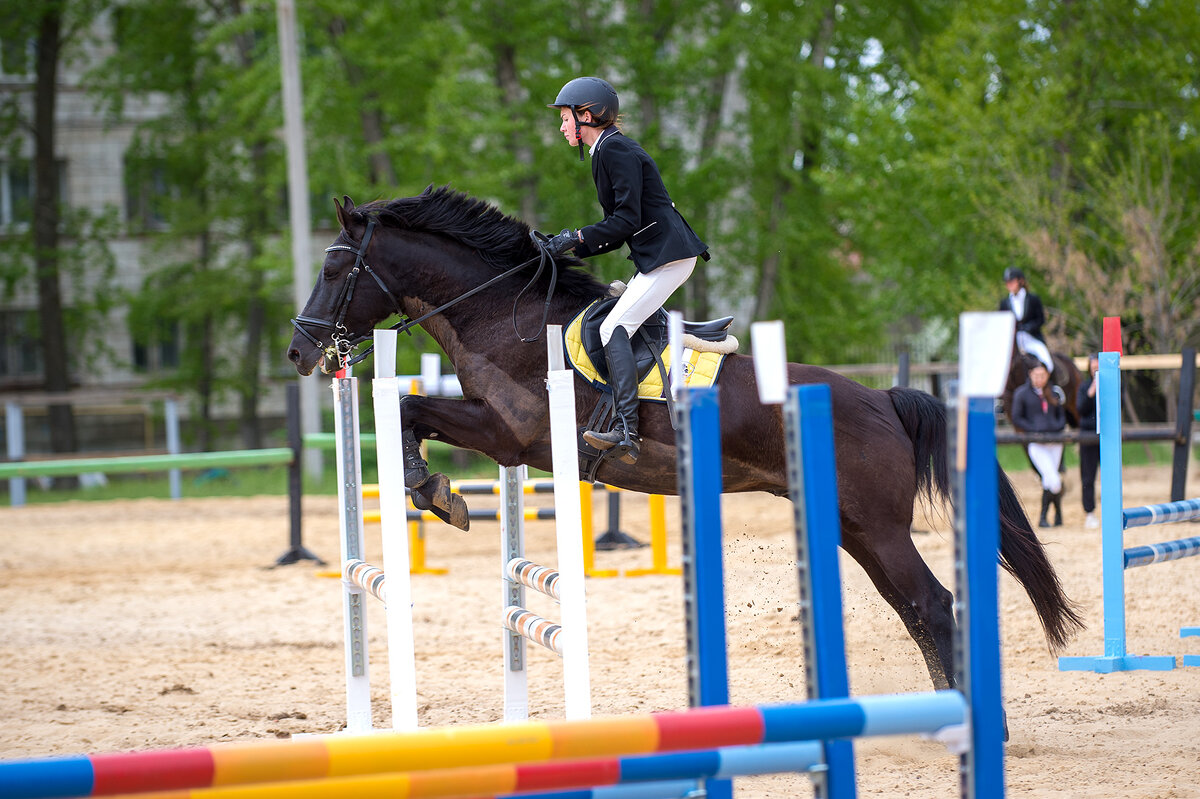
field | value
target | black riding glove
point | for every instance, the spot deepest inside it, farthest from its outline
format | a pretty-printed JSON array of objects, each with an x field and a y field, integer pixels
[{"x": 560, "y": 243}]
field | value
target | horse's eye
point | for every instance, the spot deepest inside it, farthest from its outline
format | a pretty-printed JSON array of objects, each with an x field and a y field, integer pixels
[{"x": 330, "y": 271}]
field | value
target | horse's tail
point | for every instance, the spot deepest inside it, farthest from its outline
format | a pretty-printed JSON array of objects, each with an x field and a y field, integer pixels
[{"x": 1021, "y": 553}]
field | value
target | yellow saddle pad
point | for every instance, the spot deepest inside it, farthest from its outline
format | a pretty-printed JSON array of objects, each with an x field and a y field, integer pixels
[{"x": 700, "y": 369}]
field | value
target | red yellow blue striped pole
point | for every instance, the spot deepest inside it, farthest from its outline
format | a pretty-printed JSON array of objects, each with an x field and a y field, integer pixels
[{"x": 309, "y": 762}]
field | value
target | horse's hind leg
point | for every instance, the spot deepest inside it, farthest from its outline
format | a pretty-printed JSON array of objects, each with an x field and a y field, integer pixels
[{"x": 922, "y": 603}]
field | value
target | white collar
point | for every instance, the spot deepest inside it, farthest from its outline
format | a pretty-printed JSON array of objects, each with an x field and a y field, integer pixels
[{"x": 604, "y": 134}]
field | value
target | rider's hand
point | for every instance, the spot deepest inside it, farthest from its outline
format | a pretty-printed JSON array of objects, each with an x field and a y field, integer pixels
[{"x": 562, "y": 242}]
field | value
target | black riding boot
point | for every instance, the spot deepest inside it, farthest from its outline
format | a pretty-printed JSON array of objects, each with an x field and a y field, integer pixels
[
  {"x": 1056, "y": 500},
  {"x": 622, "y": 377},
  {"x": 1046, "y": 495}
]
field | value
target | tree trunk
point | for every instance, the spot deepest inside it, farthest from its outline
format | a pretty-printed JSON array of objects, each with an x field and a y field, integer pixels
[
  {"x": 698, "y": 303},
  {"x": 45, "y": 231},
  {"x": 256, "y": 313},
  {"x": 509, "y": 82},
  {"x": 200, "y": 335},
  {"x": 808, "y": 133},
  {"x": 379, "y": 163}
]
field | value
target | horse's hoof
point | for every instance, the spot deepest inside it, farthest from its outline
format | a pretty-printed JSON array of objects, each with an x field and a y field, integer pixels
[
  {"x": 446, "y": 505},
  {"x": 457, "y": 514},
  {"x": 456, "y": 517},
  {"x": 434, "y": 495}
]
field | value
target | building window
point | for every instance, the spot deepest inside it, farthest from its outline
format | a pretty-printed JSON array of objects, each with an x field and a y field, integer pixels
[
  {"x": 16, "y": 54},
  {"x": 16, "y": 193},
  {"x": 146, "y": 194},
  {"x": 20, "y": 355},
  {"x": 158, "y": 351}
]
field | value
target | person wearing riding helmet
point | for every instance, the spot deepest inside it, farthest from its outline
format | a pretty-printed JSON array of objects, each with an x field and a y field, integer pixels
[
  {"x": 1027, "y": 307},
  {"x": 638, "y": 212}
]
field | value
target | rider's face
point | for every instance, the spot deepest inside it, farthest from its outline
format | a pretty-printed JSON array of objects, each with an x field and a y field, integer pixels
[{"x": 567, "y": 128}]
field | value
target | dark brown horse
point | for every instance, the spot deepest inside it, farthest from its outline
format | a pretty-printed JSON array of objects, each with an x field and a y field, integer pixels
[{"x": 413, "y": 256}]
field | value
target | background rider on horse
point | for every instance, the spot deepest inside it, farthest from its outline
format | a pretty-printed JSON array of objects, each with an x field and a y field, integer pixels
[{"x": 1031, "y": 315}]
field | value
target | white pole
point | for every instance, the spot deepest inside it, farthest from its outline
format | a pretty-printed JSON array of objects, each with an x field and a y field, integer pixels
[
  {"x": 14, "y": 425},
  {"x": 512, "y": 545},
  {"x": 568, "y": 516},
  {"x": 174, "y": 447},
  {"x": 770, "y": 361},
  {"x": 350, "y": 525},
  {"x": 303, "y": 273},
  {"x": 393, "y": 513},
  {"x": 431, "y": 374},
  {"x": 675, "y": 342}
]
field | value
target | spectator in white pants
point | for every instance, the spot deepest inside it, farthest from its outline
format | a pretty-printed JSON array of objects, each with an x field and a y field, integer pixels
[{"x": 1038, "y": 408}]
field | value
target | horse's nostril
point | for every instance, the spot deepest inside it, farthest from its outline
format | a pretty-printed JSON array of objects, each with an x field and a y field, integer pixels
[{"x": 294, "y": 355}]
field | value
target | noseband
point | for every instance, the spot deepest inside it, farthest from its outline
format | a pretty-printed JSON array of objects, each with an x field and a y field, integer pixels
[{"x": 342, "y": 343}]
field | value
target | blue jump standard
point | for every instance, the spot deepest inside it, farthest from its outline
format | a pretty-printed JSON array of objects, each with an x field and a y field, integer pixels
[
  {"x": 1114, "y": 520},
  {"x": 1186, "y": 632}
]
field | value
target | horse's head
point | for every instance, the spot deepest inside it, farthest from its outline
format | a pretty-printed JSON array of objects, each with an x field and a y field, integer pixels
[{"x": 338, "y": 314}]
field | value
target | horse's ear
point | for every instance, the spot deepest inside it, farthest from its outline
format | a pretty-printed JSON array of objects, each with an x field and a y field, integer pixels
[{"x": 343, "y": 211}]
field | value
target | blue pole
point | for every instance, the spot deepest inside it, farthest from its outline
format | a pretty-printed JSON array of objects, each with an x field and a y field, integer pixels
[
  {"x": 1112, "y": 491},
  {"x": 700, "y": 485},
  {"x": 812, "y": 482},
  {"x": 979, "y": 610}
]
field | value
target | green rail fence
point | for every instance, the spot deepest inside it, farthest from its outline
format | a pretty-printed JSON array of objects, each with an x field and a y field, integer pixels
[
  {"x": 270, "y": 456},
  {"x": 122, "y": 464}
]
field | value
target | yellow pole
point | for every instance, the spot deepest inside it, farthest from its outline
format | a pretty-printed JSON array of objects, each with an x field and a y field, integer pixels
[
  {"x": 589, "y": 535},
  {"x": 658, "y": 541}
]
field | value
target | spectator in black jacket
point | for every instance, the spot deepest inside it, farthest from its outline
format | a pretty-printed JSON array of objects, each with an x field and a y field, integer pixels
[
  {"x": 638, "y": 212},
  {"x": 1089, "y": 453},
  {"x": 1038, "y": 408}
]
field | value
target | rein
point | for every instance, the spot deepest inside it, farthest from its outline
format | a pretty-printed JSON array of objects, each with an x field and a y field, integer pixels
[{"x": 343, "y": 344}]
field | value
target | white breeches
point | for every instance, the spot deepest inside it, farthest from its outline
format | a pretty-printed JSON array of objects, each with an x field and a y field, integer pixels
[
  {"x": 645, "y": 294},
  {"x": 1027, "y": 343},
  {"x": 1046, "y": 458}
]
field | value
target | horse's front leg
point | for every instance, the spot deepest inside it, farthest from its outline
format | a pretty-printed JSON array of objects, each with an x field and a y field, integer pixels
[{"x": 468, "y": 424}]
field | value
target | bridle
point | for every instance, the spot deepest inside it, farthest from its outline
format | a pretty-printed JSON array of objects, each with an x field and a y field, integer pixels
[{"x": 341, "y": 343}]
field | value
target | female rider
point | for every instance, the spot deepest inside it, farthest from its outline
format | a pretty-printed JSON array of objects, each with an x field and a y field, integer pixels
[{"x": 638, "y": 212}]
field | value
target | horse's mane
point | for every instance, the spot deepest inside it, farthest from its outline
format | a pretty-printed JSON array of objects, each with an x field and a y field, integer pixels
[{"x": 501, "y": 240}]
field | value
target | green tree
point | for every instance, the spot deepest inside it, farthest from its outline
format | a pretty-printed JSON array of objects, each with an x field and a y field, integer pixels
[
  {"x": 57, "y": 28},
  {"x": 215, "y": 148}
]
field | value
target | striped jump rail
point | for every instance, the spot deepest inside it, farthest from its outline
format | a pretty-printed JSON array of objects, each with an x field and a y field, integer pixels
[
  {"x": 475, "y": 514},
  {"x": 371, "y": 491},
  {"x": 534, "y": 627},
  {"x": 1162, "y": 513},
  {"x": 531, "y": 575},
  {"x": 391, "y": 763},
  {"x": 367, "y": 577}
]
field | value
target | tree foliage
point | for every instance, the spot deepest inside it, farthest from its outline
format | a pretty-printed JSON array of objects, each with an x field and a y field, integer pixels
[{"x": 863, "y": 170}]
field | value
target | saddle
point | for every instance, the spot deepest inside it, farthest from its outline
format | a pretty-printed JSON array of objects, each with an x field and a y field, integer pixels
[
  {"x": 704, "y": 344},
  {"x": 652, "y": 338}
]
